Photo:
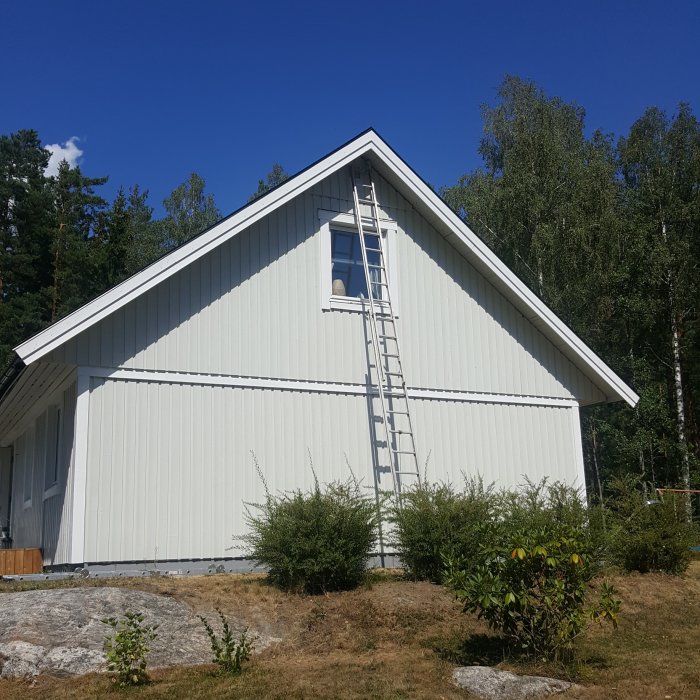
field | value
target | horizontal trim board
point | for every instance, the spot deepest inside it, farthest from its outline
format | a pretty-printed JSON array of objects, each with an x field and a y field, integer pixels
[{"x": 315, "y": 387}]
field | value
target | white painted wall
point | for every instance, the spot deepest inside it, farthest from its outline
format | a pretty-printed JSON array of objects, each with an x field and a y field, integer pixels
[
  {"x": 171, "y": 465},
  {"x": 168, "y": 465}
]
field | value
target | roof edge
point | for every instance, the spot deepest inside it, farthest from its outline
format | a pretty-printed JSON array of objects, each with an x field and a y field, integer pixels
[
  {"x": 369, "y": 140},
  {"x": 93, "y": 311}
]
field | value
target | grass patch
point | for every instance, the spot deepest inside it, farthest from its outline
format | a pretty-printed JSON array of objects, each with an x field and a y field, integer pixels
[{"x": 400, "y": 639}]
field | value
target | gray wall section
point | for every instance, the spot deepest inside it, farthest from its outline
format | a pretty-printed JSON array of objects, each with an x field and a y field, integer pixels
[
  {"x": 44, "y": 520},
  {"x": 173, "y": 465},
  {"x": 252, "y": 308}
]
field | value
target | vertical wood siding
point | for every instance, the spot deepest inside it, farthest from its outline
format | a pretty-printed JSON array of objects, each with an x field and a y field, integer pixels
[
  {"x": 252, "y": 308},
  {"x": 171, "y": 466}
]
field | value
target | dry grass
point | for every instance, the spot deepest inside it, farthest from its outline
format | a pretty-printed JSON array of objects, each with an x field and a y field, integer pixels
[{"x": 399, "y": 639}]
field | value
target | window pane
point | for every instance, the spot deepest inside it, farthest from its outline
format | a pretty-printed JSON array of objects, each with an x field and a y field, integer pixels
[{"x": 346, "y": 261}]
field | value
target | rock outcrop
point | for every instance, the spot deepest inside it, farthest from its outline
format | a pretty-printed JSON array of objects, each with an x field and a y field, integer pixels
[
  {"x": 491, "y": 684},
  {"x": 59, "y": 631}
]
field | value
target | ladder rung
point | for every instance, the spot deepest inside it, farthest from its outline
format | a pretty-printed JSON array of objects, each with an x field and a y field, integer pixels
[
  {"x": 389, "y": 354},
  {"x": 376, "y": 267},
  {"x": 387, "y": 337},
  {"x": 408, "y": 473},
  {"x": 405, "y": 413},
  {"x": 373, "y": 250},
  {"x": 380, "y": 284},
  {"x": 403, "y": 452},
  {"x": 362, "y": 200}
]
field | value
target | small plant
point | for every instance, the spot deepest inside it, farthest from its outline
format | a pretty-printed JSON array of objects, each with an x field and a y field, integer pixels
[
  {"x": 531, "y": 582},
  {"x": 229, "y": 653},
  {"x": 436, "y": 522},
  {"x": 127, "y": 647},
  {"x": 314, "y": 541}
]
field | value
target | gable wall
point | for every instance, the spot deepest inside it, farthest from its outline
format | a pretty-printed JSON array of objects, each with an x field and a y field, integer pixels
[{"x": 252, "y": 308}]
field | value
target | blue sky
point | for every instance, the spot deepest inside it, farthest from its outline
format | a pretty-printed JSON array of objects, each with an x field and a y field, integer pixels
[{"x": 154, "y": 90}]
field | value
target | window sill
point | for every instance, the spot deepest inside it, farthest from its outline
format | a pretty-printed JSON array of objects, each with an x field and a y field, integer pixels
[
  {"x": 337, "y": 303},
  {"x": 52, "y": 491}
]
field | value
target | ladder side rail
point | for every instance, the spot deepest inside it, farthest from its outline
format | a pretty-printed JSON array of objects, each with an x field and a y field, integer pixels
[
  {"x": 375, "y": 340},
  {"x": 375, "y": 208}
]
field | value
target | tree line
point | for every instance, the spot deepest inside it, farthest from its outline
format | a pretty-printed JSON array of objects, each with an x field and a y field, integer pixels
[{"x": 605, "y": 229}]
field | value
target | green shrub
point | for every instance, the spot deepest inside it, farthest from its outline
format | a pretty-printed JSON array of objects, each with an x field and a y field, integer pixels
[
  {"x": 530, "y": 581},
  {"x": 435, "y": 522},
  {"x": 648, "y": 535},
  {"x": 229, "y": 653},
  {"x": 314, "y": 541},
  {"x": 127, "y": 647}
]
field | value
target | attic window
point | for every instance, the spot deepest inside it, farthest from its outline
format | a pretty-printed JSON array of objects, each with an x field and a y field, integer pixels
[
  {"x": 343, "y": 282},
  {"x": 347, "y": 271}
]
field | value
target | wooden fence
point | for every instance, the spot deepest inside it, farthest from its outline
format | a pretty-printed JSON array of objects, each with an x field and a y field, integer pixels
[{"x": 20, "y": 561}]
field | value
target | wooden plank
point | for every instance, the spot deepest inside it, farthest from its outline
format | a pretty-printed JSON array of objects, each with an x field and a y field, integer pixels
[{"x": 15, "y": 562}]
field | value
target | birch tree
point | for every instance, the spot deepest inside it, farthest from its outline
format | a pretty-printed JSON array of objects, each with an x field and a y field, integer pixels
[{"x": 660, "y": 166}]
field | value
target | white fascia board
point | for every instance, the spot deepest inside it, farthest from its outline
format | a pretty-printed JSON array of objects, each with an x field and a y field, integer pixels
[
  {"x": 523, "y": 296},
  {"x": 60, "y": 332}
]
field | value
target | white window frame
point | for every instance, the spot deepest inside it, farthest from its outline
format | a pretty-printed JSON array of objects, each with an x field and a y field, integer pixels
[
  {"x": 337, "y": 220},
  {"x": 53, "y": 446}
]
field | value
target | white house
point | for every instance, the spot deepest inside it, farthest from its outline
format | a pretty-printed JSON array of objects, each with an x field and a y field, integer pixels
[{"x": 129, "y": 430}]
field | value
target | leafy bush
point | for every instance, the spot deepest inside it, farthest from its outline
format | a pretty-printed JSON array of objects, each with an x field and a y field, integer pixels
[
  {"x": 127, "y": 647},
  {"x": 314, "y": 541},
  {"x": 648, "y": 536},
  {"x": 229, "y": 652},
  {"x": 530, "y": 582},
  {"x": 435, "y": 522}
]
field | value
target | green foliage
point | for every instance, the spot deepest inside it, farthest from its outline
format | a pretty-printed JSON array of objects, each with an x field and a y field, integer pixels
[
  {"x": 229, "y": 653},
  {"x": 531, "y": 580},
  {"x": 275, "y": 177},
  {"x": 649, "y": 534},
  {"x": 127, "y": 647},
  {"x": 314, "y": 541},
  {"x": 435, "y": 521},
  {"x": 189, "y": 212}
]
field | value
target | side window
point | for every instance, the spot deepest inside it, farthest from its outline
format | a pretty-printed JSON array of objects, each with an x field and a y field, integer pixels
[
  {"x": 25, "y": 467},
  {"x": 52, "y": 457}
]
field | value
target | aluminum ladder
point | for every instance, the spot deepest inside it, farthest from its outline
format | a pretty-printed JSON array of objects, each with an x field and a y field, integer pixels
[{"x": 395, "y": 411}]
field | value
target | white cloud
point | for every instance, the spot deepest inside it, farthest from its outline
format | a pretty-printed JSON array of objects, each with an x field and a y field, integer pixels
[{"x": 68, "y": 152}]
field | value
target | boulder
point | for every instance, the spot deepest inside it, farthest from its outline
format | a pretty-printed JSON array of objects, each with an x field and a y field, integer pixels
[
  {"x": 491, "y": 684},
  {"x": 60, "y": 632}
]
